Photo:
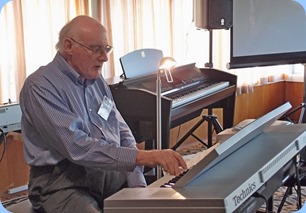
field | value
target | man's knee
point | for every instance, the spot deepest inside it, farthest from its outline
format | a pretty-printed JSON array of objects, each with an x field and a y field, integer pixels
[{"x": 70, "y": 200}]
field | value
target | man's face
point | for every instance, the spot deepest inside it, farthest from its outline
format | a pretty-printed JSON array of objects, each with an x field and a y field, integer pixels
[{"x": 87, "y": 54}]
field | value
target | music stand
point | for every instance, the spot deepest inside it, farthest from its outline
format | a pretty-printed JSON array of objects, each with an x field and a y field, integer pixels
[{"x": 140, "y": 62}]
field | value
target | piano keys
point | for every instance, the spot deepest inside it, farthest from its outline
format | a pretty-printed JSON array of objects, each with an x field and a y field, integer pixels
[
  {"x": 236, "y": 183},
  {"x": 191, "y": 91},
  {"x": 182, "y": 97}
]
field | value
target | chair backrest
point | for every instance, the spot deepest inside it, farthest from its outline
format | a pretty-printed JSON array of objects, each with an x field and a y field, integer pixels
[{"x": 140, "y": 62}]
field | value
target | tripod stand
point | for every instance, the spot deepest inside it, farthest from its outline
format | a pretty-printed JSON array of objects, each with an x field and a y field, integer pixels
[
  {"x": 210, "y": 118},
  {"x": 297, "y": 180},
  {"x": 212, "y": 122}
]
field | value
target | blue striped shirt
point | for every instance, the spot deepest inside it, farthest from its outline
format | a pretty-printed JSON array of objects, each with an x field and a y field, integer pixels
[{"x": 60, "y": 121}]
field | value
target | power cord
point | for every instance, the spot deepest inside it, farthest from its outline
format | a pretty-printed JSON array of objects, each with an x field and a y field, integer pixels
[
  {"x": 4, "y": 143},
  {"x": 1, "y": 135},
  {"x": 16, "y": 200},
  {"x": 258, "y": 195}
]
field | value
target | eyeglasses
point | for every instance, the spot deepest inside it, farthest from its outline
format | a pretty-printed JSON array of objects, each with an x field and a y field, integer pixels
[{"x": 96, "y": 50}]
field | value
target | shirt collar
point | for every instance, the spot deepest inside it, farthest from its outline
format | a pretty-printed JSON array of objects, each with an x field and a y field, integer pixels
[{"x": 70, "y": 72}]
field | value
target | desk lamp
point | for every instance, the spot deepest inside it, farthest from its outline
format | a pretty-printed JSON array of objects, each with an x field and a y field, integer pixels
[{"x": 165, "y": 65}]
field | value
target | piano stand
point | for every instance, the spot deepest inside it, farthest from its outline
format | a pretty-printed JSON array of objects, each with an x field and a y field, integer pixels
[
  {"x": 292, "y": 182},
  {"x": 269, "y": 207},
  {"x": 212, "y": 122}
]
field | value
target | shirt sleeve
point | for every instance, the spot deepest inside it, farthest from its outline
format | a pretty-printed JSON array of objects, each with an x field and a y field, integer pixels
[
  {"x": 56, "y": 131},
  {"x": 136, "y": 179}
]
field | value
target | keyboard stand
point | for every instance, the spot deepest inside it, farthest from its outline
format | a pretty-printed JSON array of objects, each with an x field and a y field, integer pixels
[
  {"x": 212, "y": 122},
  {"x": 294, "y": 182},
  {"x": 288, "y": 114}
]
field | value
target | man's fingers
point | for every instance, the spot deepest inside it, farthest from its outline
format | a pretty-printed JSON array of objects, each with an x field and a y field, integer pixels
[
  {"x": 174, "y": 164},
  {"x": 181, "y": 161}
]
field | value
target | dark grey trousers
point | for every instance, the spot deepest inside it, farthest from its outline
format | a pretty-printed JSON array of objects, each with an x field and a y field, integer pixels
[{"x": 69, "y": 188}]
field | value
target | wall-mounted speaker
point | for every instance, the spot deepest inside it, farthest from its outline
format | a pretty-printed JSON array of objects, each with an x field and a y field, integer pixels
[{"x": 213, "y": 14}]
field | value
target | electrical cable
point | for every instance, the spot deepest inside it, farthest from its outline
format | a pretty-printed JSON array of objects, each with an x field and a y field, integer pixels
[
  {"x": 258, "y": 195},
  {"x": 178, "y": 133},
  {"x": 1, "y": 135},
  {"x": 14, "y": 200},
  {"x": 4, "y": 144}
]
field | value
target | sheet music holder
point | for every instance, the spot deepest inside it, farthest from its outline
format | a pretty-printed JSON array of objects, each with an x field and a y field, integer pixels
[{"x": 140, "y": 62}]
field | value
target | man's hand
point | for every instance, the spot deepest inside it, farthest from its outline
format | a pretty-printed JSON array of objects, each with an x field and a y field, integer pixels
[{"x": 171, "y": 161}]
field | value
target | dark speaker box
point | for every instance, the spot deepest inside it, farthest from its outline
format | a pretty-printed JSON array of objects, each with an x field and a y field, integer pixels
[{"x": 213, "y": 14}]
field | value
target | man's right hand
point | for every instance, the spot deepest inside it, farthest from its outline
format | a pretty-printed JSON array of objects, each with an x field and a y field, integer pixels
[{"x": 171, "y": 161}]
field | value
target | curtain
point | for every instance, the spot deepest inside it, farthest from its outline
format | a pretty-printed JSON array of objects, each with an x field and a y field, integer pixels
[
  {"x": 168, "y": 25},
  {"x": 29, "y": 31},
  {"x": 137, "y": 24},
  {"x": 28, "y": 34},
  {"x": 10, "y": 58}
]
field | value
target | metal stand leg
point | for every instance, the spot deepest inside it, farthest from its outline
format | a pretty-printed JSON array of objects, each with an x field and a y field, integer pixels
[
  {"x": 270, "y": 204},
  {"x": 212, "y": 122},
  {"x": 296, "y": 181},
  {"x": 288, "y": 114}
]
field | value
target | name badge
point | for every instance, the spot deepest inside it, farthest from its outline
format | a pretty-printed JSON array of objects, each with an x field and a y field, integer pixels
[{"x": 105, "y": 108}]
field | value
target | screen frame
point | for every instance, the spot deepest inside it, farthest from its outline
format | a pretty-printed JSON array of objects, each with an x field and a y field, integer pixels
[
  {"x": 269, "y": 59},
  {"x": 265, "y": 59}
]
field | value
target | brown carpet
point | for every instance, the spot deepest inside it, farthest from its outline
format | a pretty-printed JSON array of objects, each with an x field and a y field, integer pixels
[{"x": 291, "y": 203}]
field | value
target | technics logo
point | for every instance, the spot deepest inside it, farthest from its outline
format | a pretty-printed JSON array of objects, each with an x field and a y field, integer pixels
[{"x": 244, "y": 193}]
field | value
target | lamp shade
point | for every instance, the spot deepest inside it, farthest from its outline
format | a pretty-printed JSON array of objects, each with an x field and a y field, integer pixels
[{"x": 167, "y": 63}]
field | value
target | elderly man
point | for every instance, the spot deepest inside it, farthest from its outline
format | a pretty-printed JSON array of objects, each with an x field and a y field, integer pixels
[{"x": 78, "y": 146}]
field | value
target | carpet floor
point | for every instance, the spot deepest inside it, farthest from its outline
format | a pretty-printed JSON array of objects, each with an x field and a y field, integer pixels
[{"x": 291, "y": 203}]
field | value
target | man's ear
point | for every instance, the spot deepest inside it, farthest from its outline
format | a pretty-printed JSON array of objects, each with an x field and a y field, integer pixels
[{"x": 67, "y": 46}]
